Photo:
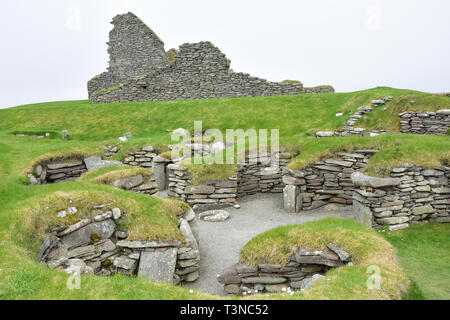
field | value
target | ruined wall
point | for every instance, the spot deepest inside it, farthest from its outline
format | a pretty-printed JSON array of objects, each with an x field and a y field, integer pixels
[
  {"x": 410, "y": 194},
  {"x": 134, "y": 49},
  {"x": 425, "y": 122},
  {"x": 139, "y": 71},
  {"x": 200, "y": 71}
]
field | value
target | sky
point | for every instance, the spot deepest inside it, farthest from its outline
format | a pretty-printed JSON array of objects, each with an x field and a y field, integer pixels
[{"x": 51, "y": 48}]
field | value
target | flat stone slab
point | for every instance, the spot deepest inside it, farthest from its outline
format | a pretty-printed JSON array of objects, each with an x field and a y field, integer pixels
[
  {"x": 214, "y": 215},
  {"x": 82, "y": 236},
  {"x": 158, "y": 266},
  {"x": 129, "y": 182},
  {"x": 95, "y": 162},
  {"x": 362, "y": 180}
]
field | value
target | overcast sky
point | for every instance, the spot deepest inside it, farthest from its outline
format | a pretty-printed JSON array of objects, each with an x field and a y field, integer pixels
[{"x": 51, "y": 48}]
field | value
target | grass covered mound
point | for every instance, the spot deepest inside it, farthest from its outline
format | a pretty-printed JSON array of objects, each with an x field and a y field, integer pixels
[
  {"x": 389, "y": 120},
  {"x": 110, "y": 174},
  {"x": 421, "y": 150},
  {"x": 348, "y": 282},
  {"x": 145, "y": 218}
]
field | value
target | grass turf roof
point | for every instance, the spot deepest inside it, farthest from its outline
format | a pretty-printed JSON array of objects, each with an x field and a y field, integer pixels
[
  {"x": 389, "y": 120},
  {"x": 110, "y": 174},
  {"x": 347, "y": 282}
]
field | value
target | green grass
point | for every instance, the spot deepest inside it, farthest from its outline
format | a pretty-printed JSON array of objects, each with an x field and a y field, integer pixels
[
  {"x": 389, "y": 120},
  {"x": 422, "y": 150},
  {"x": 423, "y": 251},
  {"x": 294, "y": 115},
  {"x": 93, "y": 126},
  {"x": 348, "y": 282}
]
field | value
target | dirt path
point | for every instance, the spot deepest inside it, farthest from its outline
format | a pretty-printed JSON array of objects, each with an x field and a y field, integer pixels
[{"x": 221, "y": 242}]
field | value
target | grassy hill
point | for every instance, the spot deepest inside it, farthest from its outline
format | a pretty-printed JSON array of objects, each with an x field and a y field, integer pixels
[{"x": 91, "y": 126}]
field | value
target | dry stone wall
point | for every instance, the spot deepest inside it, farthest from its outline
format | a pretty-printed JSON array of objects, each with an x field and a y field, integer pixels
[
  {"x": 303, "y": 269},
  {"x": 65, "y": 170},
  {"x": 138, "y": 71},
  {"x": 411, "y": 194},
  {"x": 252, "y": 177},
  {"x": 134, "y": 49},
  {"x": 323, "y": 182},
  {"x": 349, "y": 128},
  {"x": 425, "y": 122},
  {"x": 98, "y": 246}
]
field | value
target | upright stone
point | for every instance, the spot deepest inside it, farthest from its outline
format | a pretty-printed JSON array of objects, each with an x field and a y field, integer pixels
[{"x": 158, "y": 266}]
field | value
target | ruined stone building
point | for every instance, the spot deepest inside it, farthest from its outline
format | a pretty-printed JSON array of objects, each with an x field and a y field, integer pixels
[{"x": 140, "y": 70}]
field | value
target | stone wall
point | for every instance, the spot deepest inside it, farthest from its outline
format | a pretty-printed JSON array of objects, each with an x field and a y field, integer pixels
[
  {"x": 260, "y": 176},
  {"x": 411, "y": 194},
  {"x": 137, "y": 71},
  {"x": 303, "y": 269},
  {"x": 98, "y": 246},
  {"x": 323, "y": 182},
  {"x": 134, "y": 49},
  {"x": 425, "y": 122},
  {"x": 208, "y": 195},
  {"x": 65, "y": 170},
  {"x": 349, "y": 128},
  {"x": 252, "y": 177}
]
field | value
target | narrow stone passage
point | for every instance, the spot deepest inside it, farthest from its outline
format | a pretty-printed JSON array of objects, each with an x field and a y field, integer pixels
[{"x": 221, "y": 242}]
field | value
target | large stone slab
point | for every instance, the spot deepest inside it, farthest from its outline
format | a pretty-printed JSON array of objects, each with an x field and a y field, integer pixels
[
  {"x": 362, "y": 180},
  {"x": 129, "y": 182},
  {"x": 158, "y": 266},
  {"x": 363, "y": 214},
  {"x": 95, "y": 162},
  {"x": 292, "y": 199},
  {"x": 82, "y": 236}
]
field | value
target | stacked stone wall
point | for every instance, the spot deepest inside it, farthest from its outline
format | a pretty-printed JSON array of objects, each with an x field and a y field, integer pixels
[{"x": 437, "y": 123}]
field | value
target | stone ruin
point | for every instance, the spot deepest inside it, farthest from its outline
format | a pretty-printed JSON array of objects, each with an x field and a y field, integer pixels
[
  {"x": 303, "y": 269},
  {"x": 140, "y": 70},
  {"x": 99, "y": 246}
]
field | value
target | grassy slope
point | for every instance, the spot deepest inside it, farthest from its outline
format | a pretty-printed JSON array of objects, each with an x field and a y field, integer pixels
[
  {"x": 92, "y": 125},
  {"x": 293, "y": 115},
  {"x": 423, "y": 251},
  {"x": 388, "y": 119}
]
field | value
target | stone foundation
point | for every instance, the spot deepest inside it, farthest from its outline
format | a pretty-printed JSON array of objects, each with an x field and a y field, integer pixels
[
  {"x": 253, "y": 177},
  {"x": 98, "y": 246},
  {"x": 65, "y": 170},
  {"x": 323, "y": 182},
  {"x": 411, "y": 194},
  {"x": 303, "y": 269},
  {"x": 425, "y": 122}
]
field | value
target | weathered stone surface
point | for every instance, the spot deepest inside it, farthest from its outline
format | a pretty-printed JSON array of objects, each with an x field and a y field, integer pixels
[
  {"x": 186, "y": 231},
  {"x": 229, "y": 276},
  {"x": 200, "y": 189},
  {"x": 343, "y": 255},
  {"x": 125, "y": 262},
  {"x": 214, "y": 215},
  {"x": 95, "y": 162},
  {"x": 264, "y": 280},
  {"x": 160, "y": 175},
  {"x": 326, "y": 258},
  {"x": 417, "y": 211},
  {"x": 129, "y": 182},
  {"x": 82, "y": 236},
  {"x": 158, "y": 266},
  {"x": 363, "y": 214},
  {"x": 363, "y": 180},
  {"x": 147, "y": 244},
  {"x": 394, "y": 220},
  {"x": 116, "y": 213},
  {"x": 292, "y": 199},
  {"x": 307, "y": 282}
]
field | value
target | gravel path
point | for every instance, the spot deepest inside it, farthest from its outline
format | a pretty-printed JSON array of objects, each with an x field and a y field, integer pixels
[{"x": 221, "y": 242}]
